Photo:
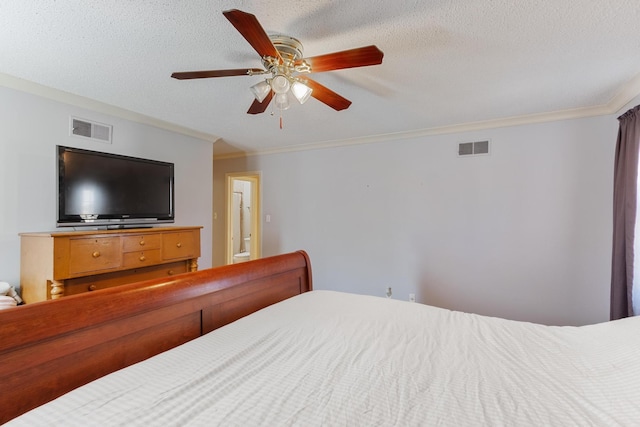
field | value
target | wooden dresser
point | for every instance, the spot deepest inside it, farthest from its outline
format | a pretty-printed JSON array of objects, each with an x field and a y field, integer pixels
[{"x": 56, "y": 264}]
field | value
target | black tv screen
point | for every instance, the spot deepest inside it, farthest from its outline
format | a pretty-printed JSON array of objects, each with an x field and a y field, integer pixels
[{"x": 97, "y": 188}]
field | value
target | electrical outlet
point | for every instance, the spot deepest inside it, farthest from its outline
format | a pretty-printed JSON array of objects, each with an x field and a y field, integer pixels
[
  {"x": 389, "y": 293},
  {"x": 412, "y": 297}
]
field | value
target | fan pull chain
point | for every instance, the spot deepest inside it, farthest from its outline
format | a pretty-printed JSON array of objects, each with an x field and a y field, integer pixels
[{"x": 273, "y": 114}]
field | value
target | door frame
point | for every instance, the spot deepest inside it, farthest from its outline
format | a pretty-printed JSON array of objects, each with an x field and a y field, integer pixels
[{"x": 256, "y": 231}]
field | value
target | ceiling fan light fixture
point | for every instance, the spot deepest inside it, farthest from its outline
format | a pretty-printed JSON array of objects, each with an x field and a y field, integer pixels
[
  {"x": 282, "y": 101},
  {"x": 261, "y": 90},
  {"x": 301, "y": 91},
  {"x": 280, "y": 84},
  {"x": 282, "y": 57}
]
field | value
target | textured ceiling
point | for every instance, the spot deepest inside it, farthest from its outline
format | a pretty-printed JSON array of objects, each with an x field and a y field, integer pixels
[{"x": 446, "y": 63}]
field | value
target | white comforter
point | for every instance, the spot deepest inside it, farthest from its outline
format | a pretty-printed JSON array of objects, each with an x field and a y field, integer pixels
[{"x": 328, "y": 358}]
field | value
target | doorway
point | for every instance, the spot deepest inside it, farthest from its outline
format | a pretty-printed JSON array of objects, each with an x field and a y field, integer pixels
[{"x": 243, "y": 217}]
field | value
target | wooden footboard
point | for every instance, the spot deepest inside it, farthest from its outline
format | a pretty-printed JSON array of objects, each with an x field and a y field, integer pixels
[{"x": 51, "y": 347}]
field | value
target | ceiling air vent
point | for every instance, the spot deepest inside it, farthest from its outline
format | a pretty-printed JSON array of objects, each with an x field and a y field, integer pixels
[
  {"x": 85, "y": 128},
  {"x": 473, "y": 148}
]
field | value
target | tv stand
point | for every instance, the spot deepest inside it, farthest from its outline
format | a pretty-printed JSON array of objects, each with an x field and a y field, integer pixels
[{"x": 54, "y": 265}]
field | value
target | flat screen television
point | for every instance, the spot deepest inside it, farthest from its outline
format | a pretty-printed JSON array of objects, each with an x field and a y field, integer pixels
[{"x": 103, "y": 189}]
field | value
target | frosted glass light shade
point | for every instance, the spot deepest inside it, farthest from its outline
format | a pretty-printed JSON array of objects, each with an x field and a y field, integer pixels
[
  {"x": 301, "y": 91},
  {"x": 261, "y": 90},
  {"x": 280, "y": 84},
  {"x": 282, "y": 101}
]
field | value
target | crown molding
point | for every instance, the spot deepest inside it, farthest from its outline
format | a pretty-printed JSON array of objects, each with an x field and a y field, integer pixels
[
  {"x": 418, "y": 133},
  {"x": 97, "y": 106},
  {"x": 626, "y": 94}
]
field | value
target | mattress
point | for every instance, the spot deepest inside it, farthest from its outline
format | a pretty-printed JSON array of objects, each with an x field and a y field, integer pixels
[{"x": 329, "y": 358}]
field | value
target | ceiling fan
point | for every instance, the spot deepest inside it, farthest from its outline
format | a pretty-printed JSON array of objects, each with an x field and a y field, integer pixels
[{"x": 282, "y": 58}]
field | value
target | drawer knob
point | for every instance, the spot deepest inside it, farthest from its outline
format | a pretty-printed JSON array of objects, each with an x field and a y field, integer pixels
[
  {"x": 142, "y": 258},
  {"x": 141, "y": 242},
  {"x": 96, "y": 254},
  {"x": 170, "y": 272},
  {"x": 179, "y": 245},
  {"x": 92, "y": 287}
]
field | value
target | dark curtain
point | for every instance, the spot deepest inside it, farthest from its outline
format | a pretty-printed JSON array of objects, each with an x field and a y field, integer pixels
[{"x": 625, "y": 183}]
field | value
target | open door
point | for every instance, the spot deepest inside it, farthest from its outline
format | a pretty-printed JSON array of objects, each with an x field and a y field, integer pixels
[{"x": 243, "y": 237}]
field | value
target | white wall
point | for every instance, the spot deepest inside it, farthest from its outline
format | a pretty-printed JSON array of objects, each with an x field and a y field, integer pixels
[
  {"x": 524, "y": 233},
  {"x": 31, "y": 127}
]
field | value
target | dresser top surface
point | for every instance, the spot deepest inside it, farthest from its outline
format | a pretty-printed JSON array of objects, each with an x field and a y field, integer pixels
[{"x": 92, "y": 232}]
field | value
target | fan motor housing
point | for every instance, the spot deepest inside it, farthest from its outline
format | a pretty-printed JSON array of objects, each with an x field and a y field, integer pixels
[{"x": 289, "y": 48}]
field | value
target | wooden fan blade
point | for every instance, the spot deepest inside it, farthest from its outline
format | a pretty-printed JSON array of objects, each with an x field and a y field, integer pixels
[
  {"x": 248, "y": 25},
  {"x": 260, "y": 107},
  {"x": 326, "y": 95},
  {"x": 184, "y": 75},
  {"x": 359, "y": 57}
]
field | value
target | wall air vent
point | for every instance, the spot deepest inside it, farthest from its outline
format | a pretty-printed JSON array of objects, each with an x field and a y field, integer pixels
[
  {"x": 88, "y": 129},
  {"x": 477, "y": 148}
]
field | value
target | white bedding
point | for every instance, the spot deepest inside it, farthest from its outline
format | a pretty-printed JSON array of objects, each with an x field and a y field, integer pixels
[{"x": 328, "y": 358}]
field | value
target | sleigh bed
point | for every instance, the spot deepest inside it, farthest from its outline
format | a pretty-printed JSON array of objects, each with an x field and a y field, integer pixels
[{"x": 292, "y": 356}]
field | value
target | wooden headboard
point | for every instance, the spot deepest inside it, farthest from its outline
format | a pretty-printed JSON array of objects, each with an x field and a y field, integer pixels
[{"x": 51, "y": 347}]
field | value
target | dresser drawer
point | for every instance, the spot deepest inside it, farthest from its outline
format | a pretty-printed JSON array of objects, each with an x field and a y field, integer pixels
[
  {"x": 108, "y": 280},
  {"x": 94, "y": 254},
  {"x": 141, "y": 242},
  {"x": 179, "y": 245},
  {"x": 141, "y": 258}
]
